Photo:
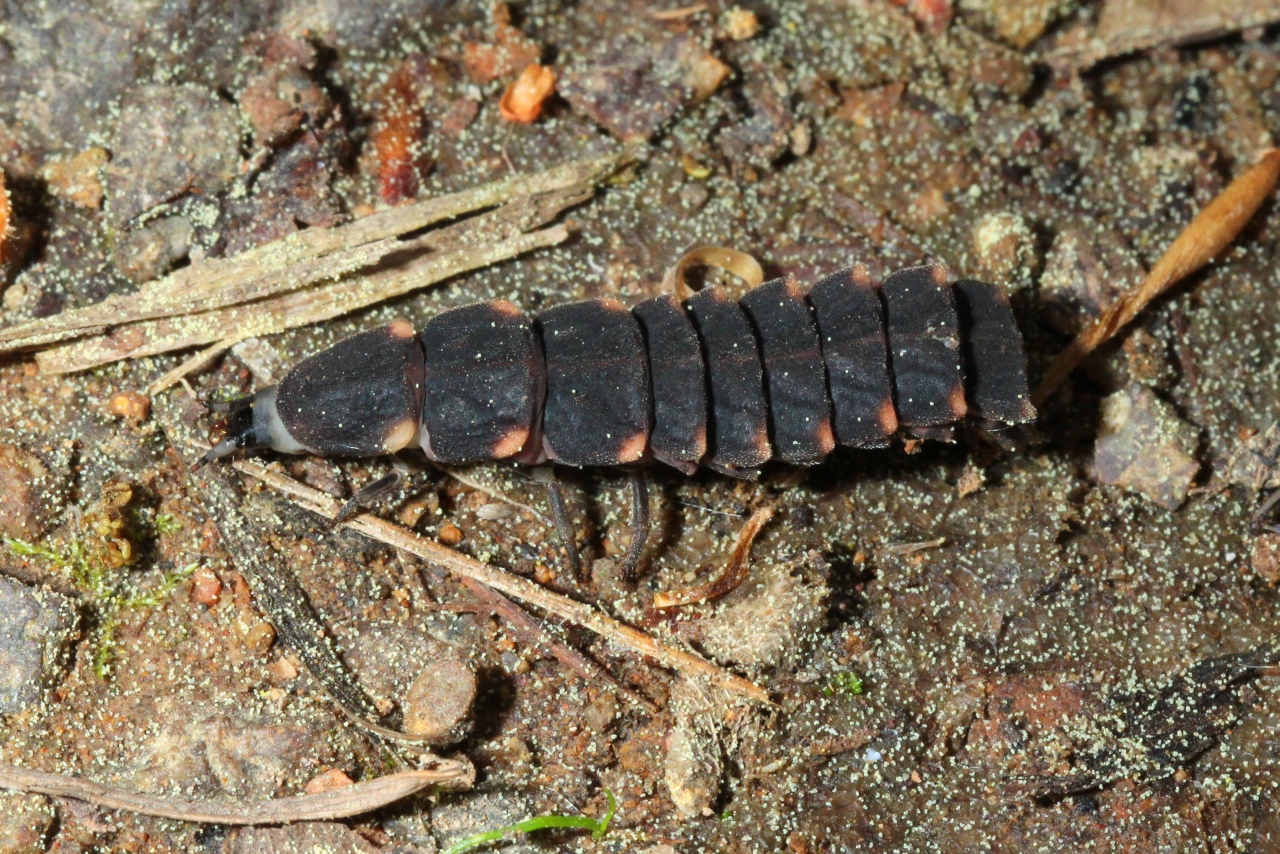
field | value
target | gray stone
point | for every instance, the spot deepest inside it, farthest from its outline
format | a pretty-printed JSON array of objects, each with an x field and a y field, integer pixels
[
  {"x": 438, "y": 701},
  {"x": 170, "y": 141},
  {"x": 36, "y": 625},
  {"x": 1145, "y": 446}
]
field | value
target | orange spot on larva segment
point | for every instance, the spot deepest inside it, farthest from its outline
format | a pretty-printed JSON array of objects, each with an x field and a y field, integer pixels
[
  {"x": 401, "y": 329},
  {"x": 860, "y": 275},
  {"x": 957, "y": 402},
  {"x": 524, "y": 98},
  {"x": 763, "y": 448},
  {"x": 825, "y": 437},
  {"x": 940, "y": 274},
  {"x": 633, "y": 447},
  {"x": 793, "y": 289},
  {"x": 699, "y": 449},
  {"x": 511, "y": 443},
  {"x": 6, "y": 223},
  {"x": 888, "y": 417},
  {"x": 505, "y": 308},
  {"x": 401, "y": 434}
]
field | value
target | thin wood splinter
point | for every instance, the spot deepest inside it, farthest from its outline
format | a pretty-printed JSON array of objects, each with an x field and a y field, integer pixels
[
  {"x": 345, "y": 802},
  {"x": 735, "y": 570},
  {"x": 686, "y": 663},
  {"x": 1209, "y": 233}
]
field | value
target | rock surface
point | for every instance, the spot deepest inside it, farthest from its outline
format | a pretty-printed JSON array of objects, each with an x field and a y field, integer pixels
[{"x": 36, "y": 625}]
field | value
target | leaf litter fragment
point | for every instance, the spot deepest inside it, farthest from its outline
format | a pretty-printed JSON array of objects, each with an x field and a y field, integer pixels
[
  {"x": 735, "y": 572},
  {"x": 1209, "y": 233}
]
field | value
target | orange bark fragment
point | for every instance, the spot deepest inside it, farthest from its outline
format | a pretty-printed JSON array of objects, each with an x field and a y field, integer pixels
[
  {"x": 397, "y": 135},
  {"x": 524, "y": 98}
]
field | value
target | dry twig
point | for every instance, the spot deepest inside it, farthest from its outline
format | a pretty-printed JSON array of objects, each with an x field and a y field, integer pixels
[
  {"x": 735, "y": 570},
  {"x": 685, "y": 663},
  {"x": 336, "y": 803},
  {"x": 265, "y": 289},
  {"x": 1207, "y": 235},
  {"x": 308, "y": 256}
]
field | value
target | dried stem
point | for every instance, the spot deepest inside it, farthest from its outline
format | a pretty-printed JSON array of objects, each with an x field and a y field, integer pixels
[
  {"x": 337, "y": 803},
  {"x": 469, "y": 481},
  {"x": 735, "y": 571},
  {"x": 297, "y": 308},
  {"x": 1209, "y": 233},
  {"x": 307, "y": 257},
  {"x": 685, "y": 663},
  {"x": 1159, "y": 24}
]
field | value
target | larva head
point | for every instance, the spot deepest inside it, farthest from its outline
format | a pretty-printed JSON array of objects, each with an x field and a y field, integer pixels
[{"x": 250, "y": 423}]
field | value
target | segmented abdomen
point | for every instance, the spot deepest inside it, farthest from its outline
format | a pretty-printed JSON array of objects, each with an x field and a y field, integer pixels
[{"x": 778, "y": 374}]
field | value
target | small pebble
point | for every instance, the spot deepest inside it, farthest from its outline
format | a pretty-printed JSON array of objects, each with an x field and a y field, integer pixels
[
  {"x": 282, "y": 670},
  {"x": 411, "y": 512},
  {"x": 129, "y": 404},
  {"x": 1265, "y": 559},
  {"x": 449, "y": 534},
  {"x": 334, "y": 778},
  {"x": 741, "y": 24},
  {"x": 206, "y": 587},
  {"x": 601, "y": 712},
  {"x": 1006, "y": 248},
  {"x": 439, "y": 700},
  {"x": 260, "y": 637},
  {"x": 524, "y": 98}
]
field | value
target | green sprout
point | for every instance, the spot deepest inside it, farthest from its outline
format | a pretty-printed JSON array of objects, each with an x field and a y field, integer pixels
[
  {"x": 598, "y": 827},
  {"x": 166, "y": 523},
  {"x": 843, "y": 682},
  {"x": 155, "y": 525}
]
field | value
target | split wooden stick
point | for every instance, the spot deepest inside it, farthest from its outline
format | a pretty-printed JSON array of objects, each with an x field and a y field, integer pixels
[{"x": 683, "y": 662}]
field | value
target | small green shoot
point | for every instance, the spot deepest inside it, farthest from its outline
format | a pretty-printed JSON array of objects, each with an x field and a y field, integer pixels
[
  {"x": 151, "y": 525},
  {"x": 598, "y": 827},
  {"x": 165, "y": 523},
  {"x": 168, "y": 583},
  {"x": 843, "y": 682}
]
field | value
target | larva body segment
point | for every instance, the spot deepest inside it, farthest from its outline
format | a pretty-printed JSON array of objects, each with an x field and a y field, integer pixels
[{"x": 713, "y": 382}]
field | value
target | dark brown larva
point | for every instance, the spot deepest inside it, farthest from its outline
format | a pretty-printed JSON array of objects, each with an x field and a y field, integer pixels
[{"x": 779, "y": 374}]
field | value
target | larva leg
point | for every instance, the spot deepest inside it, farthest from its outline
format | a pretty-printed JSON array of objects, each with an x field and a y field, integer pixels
[
  {"x": 365, "y": 495},
  {"x": 560, "y": 515},
  {"x": 639, "y": 524}
]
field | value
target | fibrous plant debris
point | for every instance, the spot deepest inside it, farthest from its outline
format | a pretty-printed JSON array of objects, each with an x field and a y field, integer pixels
[
  {"x": 264, "y": 290},
  {"x": 335, "y": 803}
]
